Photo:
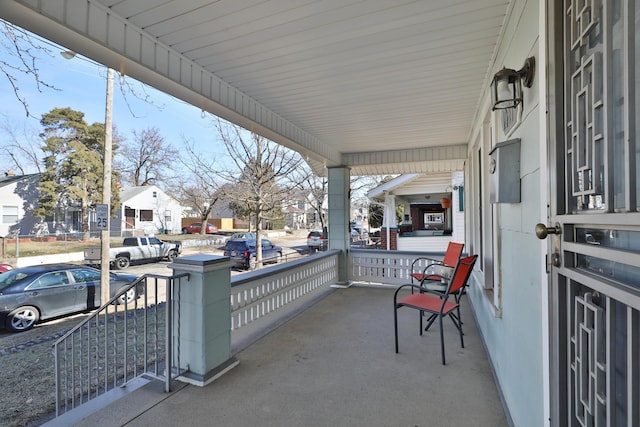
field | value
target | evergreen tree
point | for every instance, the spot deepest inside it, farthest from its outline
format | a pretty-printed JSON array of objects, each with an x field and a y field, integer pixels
[{"x": 73, "y": 164}]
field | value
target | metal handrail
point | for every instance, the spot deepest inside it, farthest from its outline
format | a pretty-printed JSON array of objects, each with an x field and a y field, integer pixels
[{"x": 118, "y": 343}]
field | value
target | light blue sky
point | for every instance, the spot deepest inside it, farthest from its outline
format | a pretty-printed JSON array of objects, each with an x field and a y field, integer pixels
[{"x": 81, "y": 85}]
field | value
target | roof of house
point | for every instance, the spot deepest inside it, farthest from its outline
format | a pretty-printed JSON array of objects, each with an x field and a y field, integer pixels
[
  {"x": 415, "y": 188},
  {"x": 292, "y": 209},
  {"x": 10, "y": 179},
  {"x": 128, "y": 194},
  {"x": 131, "y": 192},
  {"x": 380, "y": 190}
]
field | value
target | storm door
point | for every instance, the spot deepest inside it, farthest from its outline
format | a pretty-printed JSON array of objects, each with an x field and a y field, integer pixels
[{"x": 594, "y": 229}]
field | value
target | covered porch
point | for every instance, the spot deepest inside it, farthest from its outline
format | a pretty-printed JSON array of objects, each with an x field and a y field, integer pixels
[
  {"x": 399, "y": 87},
  {"x": 332, "y": 364}
]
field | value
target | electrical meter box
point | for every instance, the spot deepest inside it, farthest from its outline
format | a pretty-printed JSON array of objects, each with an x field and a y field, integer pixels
[{"x": 504, "y": 170}]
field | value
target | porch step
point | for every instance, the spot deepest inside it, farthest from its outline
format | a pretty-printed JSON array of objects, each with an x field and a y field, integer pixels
[{"x": 112, "y": 409}]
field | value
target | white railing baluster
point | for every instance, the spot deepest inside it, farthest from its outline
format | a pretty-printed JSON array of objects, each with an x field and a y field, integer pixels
[{"x": 276, "y": 287}]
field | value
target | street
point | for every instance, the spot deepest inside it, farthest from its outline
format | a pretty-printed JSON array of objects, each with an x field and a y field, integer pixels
[{"x": 294, "y": 246}]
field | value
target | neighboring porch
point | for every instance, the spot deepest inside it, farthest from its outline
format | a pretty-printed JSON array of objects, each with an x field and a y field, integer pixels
[{"x": 433, "y": 211}]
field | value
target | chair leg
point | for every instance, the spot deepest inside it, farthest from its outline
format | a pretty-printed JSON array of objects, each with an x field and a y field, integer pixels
[
  {"x": 430, "y": 321},
  {"x": 458, "y": 316},
  {"x": 458, "y": 324},
  {"x": 395, "y": 324},
  {"x": 458, "y": 298},
  {"x": 442, "y": 339}
]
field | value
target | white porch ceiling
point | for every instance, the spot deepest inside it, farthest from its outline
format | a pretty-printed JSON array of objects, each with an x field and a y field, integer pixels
[{"x": 382, "y": 86}]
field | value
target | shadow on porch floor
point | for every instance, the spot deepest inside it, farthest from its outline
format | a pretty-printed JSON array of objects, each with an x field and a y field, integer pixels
[{"x": 334, "y": 365}]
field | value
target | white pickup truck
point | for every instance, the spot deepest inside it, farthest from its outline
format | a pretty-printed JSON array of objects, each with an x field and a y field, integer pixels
[{"x": 135, "y": 249}]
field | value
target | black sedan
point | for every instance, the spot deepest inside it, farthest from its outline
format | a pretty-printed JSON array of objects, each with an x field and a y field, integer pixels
[{"x": 41, "y": 292}]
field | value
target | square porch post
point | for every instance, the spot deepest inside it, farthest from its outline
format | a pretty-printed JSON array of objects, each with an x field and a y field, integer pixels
[
  {"x": 339, "y": 216},
  {"x": 204, "y": 307}
]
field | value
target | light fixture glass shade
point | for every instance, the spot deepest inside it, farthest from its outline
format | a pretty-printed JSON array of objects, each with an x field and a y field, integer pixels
[
  {"x": 506, "y": 89},
  {"x": 67, "y": 54}
]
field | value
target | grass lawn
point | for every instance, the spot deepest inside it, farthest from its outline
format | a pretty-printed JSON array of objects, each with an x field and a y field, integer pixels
[
  {"x": 28, "y": 373},
  {"x": 31, "y": 247}
]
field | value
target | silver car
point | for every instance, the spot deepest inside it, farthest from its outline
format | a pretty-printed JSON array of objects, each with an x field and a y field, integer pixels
[
  {"x": 31, "y": 294},
  {"x": 317, "y": 240},
  {"x": 242, "y": 236}
]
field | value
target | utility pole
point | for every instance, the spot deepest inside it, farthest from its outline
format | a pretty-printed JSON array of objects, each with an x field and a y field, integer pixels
[
  {"x": 105, "y": 291},
  {"x": 105, "y": 234}
]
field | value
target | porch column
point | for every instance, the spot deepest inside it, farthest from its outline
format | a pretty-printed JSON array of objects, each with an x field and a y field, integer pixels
[
  {"x": 389, "y": 230},
  {"x": 339, "y": 215},
  {"x": 204, "y": 307}
]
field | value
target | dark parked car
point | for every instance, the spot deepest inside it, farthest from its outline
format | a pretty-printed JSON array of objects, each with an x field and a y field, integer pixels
[
  {"x": 31, "y": 294},
  {"x": 243, "y": 252},
  {"x": 195, "y": 228}
]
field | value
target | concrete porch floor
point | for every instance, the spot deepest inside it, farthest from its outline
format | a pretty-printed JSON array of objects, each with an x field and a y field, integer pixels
[{"x": 334, "y": 365}]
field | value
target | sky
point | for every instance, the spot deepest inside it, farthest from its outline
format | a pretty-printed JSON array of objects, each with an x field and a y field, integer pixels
[{"x": 81, "y": 85}]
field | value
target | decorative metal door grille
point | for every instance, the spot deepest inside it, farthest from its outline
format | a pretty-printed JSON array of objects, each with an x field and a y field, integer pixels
[
  {"x": 584, "y": 116},
  {"x": 597, "y": 284},
  {"x": 588, "y": 366}
]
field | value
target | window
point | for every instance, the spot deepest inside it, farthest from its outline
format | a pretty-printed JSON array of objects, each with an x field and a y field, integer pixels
[
  {"x": 50, "y": 280},
  {"x": 146, "y": 215},
  {"x": 433, "y": 218},
  {"x": 85, "y": 275},
  {"x": 9, "y": 214}
]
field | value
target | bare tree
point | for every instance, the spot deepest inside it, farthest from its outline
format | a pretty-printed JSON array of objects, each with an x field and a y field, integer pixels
[
  {"x": 259, "y": 169},
  {"x": 199, "y": 188},
  {"x": 21, "y": 149},
  {"x": 21, "y": 57},
  {"x": 315, "y": 190},
  {"x": 253, "y": 175},
  {"x": 201, "y": 197},
  {"x": 147, "y": 159}
]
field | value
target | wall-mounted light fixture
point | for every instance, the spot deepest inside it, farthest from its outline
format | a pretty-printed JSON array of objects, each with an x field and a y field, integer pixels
[
  {"x": 68, "y": 54},
  {"x": 506, "y": 88}
]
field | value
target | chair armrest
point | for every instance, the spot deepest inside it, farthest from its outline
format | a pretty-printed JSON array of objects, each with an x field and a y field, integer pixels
[
  {"x": 407, "y": 285},
  {"x": 417, "y": 275},
  {"x": 444, "y": 272},
  {"x": 422, "y": 289},
  {"x": 431, "y": 261}
]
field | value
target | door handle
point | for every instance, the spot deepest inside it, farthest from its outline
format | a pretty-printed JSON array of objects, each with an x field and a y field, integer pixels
[{"x": 542, "y": 231}]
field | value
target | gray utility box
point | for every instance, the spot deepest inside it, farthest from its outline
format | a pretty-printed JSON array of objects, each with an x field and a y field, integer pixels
[{"x": 504, "y": 167}]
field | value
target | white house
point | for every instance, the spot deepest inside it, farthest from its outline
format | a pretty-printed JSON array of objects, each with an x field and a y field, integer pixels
[
  {"x": 147, "y": 209},
  {"x": 18, "y": 196}
]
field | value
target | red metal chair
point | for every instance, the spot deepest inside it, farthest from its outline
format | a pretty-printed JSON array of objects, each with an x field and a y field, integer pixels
[
  {"x": 435, "y": 274},
  {"x": 438, "y": 304},
  {"x": 425, "y": 269}
]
